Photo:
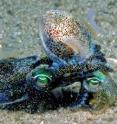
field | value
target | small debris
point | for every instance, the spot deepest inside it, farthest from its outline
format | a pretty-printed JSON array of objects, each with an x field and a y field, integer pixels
[
  {"x": 74, "y": 123},
  {"x": 0, "y": 45},
  {"x": 42, "y": 122}
]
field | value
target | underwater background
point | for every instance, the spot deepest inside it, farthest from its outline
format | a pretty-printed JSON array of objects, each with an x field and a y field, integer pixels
[{"x": 19, "y": 37}]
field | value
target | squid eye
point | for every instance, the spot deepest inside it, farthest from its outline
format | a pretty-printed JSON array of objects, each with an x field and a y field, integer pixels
[
  {"x": 92, "y": 84},
  {"x": 42, "y": 79}
]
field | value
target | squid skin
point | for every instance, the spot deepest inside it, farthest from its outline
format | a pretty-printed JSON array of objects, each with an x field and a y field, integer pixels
[{"x": 72, "y": 55}]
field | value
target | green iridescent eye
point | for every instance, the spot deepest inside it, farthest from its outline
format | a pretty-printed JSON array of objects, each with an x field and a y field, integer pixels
[
  {"x": 93, "y": 81},
  {"x": 92, "y": 84},
  {"x": 42, "y": 77}
]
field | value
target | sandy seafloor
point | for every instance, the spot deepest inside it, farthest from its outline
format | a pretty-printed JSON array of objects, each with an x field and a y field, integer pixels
[{"x": 19, "y": 37}]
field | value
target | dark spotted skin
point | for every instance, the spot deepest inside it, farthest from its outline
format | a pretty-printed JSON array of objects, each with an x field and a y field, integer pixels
[
  {"x": 13, "y": 73},
  {"x": 13, "y": 82},
  {"x": 70, "y": 43},
  {"x": 60, "y": 49}
]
